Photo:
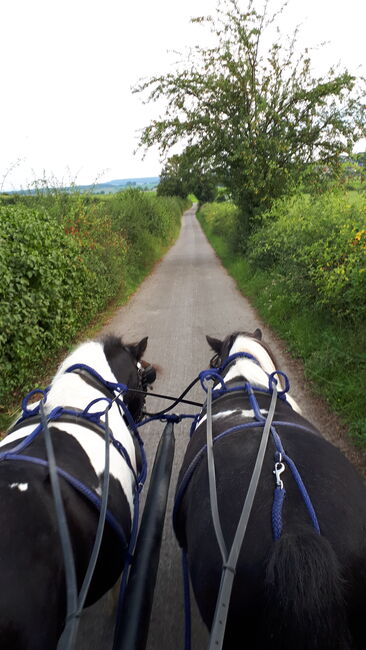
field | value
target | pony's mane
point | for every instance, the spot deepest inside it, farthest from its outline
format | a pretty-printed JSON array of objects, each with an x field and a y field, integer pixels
[
  {"x": 112, "y": 344},
  {"x": 228, "y": 342}
]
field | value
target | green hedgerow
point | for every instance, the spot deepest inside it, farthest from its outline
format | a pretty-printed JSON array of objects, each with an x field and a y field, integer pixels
[{"x": 62, "y": 259}]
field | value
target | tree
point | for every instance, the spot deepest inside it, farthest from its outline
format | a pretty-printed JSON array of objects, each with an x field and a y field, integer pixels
[
  {"x": 198, "y": 176},
  {"x": 186, "y": 173},
  {"x": 171, "y": 180},
  {"x": 254, "y": 114}
]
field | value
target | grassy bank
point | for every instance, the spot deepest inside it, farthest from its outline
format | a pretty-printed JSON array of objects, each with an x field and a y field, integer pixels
[
  {"x": 64, "y": 259},
  {"x": 304, "y": 271}
]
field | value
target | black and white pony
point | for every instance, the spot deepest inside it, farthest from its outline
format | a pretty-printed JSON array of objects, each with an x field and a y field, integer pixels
[
  {"x": 32, "y": 593},
  {"x": 300, "y": 577}
]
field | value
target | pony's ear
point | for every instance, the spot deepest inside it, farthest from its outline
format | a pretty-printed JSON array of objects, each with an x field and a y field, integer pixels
[
  {"x": 139, "y": 348},
  {"x": 215, "y": 344},
  {"x": 258, "y": 334}
]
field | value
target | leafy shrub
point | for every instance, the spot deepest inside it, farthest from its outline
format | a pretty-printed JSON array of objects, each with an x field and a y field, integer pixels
[
  {"x": 42, "y": 289},
  {"x": 7, "y": 199},
  {"x": 222, "y": 219},
  {"x": 318, "y": 247},
  {"x": 136, "y": 213}
]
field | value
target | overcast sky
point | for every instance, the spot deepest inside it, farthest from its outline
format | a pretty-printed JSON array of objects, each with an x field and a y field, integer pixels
[{"x": 67, "y": 67}]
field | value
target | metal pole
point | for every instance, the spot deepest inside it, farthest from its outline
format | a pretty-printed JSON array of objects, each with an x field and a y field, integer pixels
[{"x": 133, "y": 620}]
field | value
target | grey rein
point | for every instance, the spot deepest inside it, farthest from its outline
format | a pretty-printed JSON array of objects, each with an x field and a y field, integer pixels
[{"x": 230, "y": 559}]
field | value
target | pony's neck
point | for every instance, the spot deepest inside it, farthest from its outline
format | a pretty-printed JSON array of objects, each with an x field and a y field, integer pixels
[
  {"x": 253, "y": 371},
  {"x": 70, "y": 389},
  {"x": 93, "y": 352}
]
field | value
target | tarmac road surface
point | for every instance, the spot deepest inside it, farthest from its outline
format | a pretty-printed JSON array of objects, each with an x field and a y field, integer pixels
[{"x": 188, "y": 295}]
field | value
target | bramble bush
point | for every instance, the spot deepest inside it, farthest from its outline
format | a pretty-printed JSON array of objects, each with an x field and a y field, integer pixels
[
  {"x": 61, "y": 261},
  {"x": 55, "y": 278}
]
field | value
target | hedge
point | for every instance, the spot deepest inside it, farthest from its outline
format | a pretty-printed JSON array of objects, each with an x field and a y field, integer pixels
[{"x": 62, "y": 259}]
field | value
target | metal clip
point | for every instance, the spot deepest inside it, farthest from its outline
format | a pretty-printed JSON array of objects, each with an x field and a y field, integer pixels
[{"x": 279, "y": 468}]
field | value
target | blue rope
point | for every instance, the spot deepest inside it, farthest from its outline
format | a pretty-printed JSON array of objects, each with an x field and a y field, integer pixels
[
  {"x": 113, "y": 386},
  {"x": 217, "y": 392},
  {"x": 23, "y": 444},
  {"x": 272, "y": 380},
  {"x": 233, "y": 357},
  {"x": 303, "y": 491},
  {"x": 205, "y": 375},
  {"x": 279, "y": 495},
  {"x": 166, "y": 417},
  {"x": 26, "y": 412}
]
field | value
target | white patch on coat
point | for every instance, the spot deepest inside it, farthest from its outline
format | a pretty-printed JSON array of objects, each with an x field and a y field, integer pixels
[
  {"x": 255, "y": 374},
  {"x": 22, "y": 487}
]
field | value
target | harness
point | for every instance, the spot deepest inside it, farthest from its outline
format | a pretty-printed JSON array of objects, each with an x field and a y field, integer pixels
[
  {"x": 268, "y": 425},
  {"x": 111, "y": 393}
]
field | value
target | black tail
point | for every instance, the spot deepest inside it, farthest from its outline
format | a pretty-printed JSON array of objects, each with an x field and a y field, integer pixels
[{"x": 305, "y": 596}]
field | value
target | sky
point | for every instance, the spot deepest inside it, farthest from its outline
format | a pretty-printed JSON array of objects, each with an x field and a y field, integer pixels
[{"x": 67, "y": 112}]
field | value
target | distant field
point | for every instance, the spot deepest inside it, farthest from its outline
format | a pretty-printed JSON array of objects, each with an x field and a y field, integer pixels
[{"x": 106, "y": 188}]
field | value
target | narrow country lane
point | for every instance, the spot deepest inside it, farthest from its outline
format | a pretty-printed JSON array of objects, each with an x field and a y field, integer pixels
[{"x": 187, "y": 296}]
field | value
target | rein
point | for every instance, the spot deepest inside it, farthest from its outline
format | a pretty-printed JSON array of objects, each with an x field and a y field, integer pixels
[
  {"x": 230, "y": 559},
  {"x": 175, "y": 400}
]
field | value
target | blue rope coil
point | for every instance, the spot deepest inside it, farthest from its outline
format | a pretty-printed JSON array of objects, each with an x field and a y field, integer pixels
[
  {"x": 272, "y": 380},
  {"x": 212, "y": 374}
]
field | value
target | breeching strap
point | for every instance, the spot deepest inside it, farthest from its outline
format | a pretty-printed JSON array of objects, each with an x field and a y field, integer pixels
[{"x": 230, "y": 560}]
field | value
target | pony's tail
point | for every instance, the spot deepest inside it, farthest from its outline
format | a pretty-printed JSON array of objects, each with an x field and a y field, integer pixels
[{"x": 305, "y": 596}]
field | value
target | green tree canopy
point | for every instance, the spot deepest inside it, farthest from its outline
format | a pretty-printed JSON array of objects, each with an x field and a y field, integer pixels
[
  {"x": 186, "y": 173},
  {"x": 172, "y": 182},
  {"x": 254, "y": 113}
]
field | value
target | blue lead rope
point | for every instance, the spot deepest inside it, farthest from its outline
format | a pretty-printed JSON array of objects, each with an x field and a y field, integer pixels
[{"x": 279, "y": 495}]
